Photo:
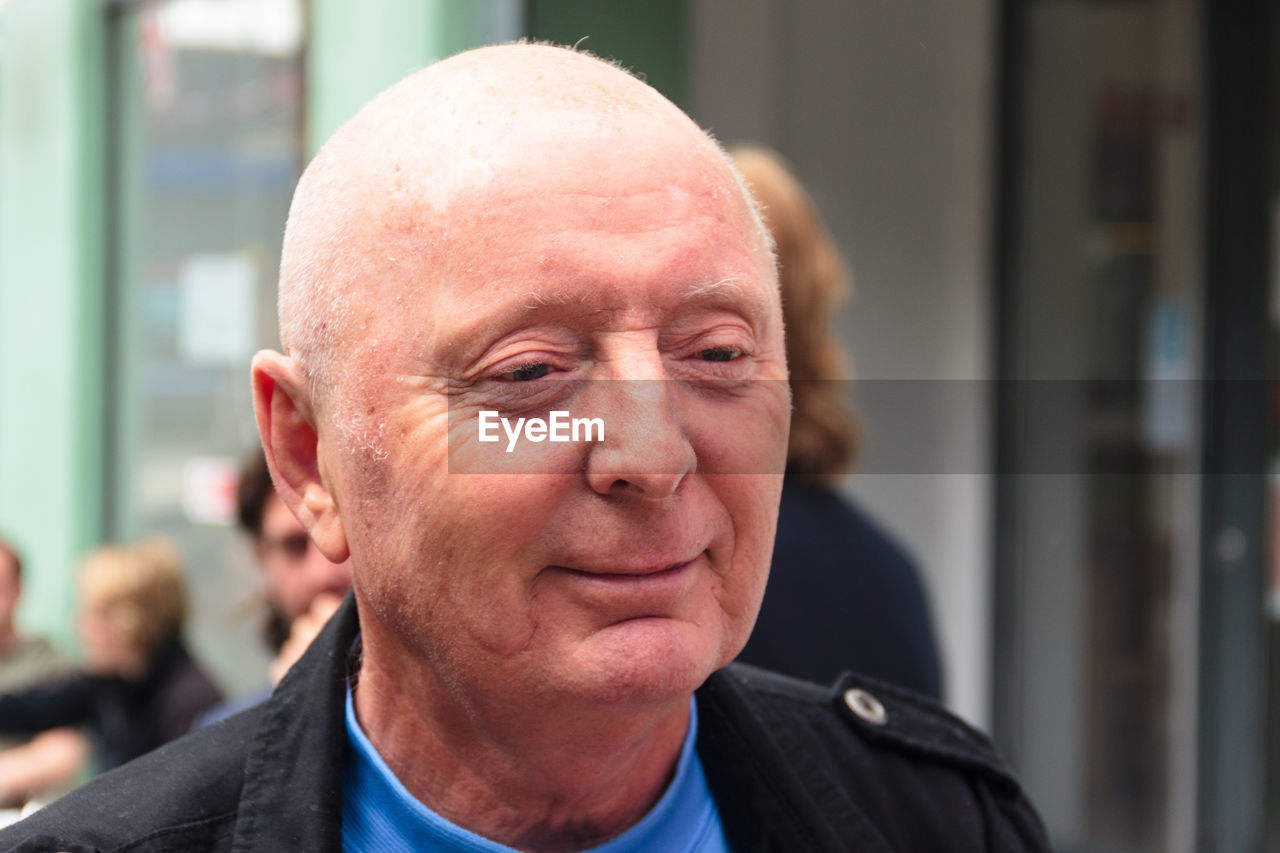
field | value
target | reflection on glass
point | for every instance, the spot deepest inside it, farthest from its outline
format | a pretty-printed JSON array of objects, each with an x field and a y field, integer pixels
[{"x": 1104, "y": 293}]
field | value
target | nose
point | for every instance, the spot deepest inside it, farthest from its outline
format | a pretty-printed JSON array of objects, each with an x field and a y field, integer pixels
[{"x": 645, "y": 452}]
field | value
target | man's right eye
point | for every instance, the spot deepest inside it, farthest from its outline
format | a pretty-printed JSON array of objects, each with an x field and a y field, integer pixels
[
  {"x": 527, "y": 372},
  {"x": 720, "y": 354}
]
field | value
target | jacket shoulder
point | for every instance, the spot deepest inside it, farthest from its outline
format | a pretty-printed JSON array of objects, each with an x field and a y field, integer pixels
[
  {"x": 902, "y": 771},
  {"x": 882, "y": 716},
  {"x": 183, "y": 795}
]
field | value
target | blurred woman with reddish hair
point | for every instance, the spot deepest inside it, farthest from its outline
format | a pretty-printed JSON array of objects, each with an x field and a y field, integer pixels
[{"x": 842, "y": 593}]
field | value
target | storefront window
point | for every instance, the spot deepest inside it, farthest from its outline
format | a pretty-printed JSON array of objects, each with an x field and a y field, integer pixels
[
  {"x": 207, "y": 148},
  {"x": 1099, "y": 540}
]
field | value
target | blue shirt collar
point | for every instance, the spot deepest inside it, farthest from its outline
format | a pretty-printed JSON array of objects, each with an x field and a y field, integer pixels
[{"x": 379, "y": 813}]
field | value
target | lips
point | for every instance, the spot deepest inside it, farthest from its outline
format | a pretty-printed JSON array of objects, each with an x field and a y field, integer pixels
[
  {"x": 614, "y": 593},
  {"x": 647, "y": 569}
]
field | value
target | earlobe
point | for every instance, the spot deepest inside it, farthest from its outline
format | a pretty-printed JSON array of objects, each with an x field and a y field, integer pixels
[{"x": 286, "y": 424}]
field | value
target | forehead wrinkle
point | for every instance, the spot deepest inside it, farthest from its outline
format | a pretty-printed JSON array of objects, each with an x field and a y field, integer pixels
[
  {"x": 534, "y": 300},
  {"x": 724, "y": 293}
]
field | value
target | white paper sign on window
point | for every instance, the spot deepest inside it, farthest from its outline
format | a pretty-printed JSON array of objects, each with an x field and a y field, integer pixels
[{"x": 217, "y": 320}]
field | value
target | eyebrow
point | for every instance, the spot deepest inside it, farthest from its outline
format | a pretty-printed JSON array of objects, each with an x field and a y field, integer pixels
[
  {"x": 725, "y": 287},
  {"x": 714, "y": 291},
  {"x": 727, "y": 293}
]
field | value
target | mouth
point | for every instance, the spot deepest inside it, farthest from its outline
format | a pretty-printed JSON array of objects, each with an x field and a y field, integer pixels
[
  {"x": 629, "y": 591},
  {"x": 654, "y": 571}
]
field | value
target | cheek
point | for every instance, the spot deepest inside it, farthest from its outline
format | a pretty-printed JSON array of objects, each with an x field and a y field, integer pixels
[
  {"x": 273, "y": 575},
  {"x": 745, "y": 434},
  {"x": 490, "y": 536},
  {"x": 461, "y": 543},
  {"x": 98, "y": 642},
  {"x": 752, "y": 503}
]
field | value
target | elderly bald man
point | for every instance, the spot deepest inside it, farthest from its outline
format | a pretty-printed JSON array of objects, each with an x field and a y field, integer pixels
[{"x": 535, "y": 654}]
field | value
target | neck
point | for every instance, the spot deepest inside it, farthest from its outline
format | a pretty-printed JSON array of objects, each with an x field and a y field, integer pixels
[{"x": 548, "y": 780}]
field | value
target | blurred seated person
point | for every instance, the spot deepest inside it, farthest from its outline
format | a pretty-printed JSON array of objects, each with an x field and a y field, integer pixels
[
  {"x": 842, "y": 594},
  {"x": 139, "y": 688},
  {"x": 51, "y": 761},
  {"x": 301, "y": 588}
]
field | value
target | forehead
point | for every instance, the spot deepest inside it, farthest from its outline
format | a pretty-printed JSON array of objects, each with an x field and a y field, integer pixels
[
  {"x": 603, "y": 222},
  {"x": 621, "y": 216},
  {"x": 552, "y": 164}
]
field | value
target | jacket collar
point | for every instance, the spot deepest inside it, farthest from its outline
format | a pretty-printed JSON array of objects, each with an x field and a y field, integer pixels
[{"x": 292, "y": 795}]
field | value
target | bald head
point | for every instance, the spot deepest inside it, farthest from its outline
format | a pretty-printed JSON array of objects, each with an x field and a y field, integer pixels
[
  {"x": 374, "y": 212},
  {"x": 494, "y": 235}
]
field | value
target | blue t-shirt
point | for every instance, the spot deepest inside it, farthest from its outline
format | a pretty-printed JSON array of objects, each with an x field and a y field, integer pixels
[{"x": 379, "y": 814}]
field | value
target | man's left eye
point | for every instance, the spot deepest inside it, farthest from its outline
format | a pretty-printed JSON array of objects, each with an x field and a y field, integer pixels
[{"x": 720, "y": 354}]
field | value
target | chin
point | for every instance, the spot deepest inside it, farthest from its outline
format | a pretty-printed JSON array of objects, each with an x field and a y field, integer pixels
[{"x": 643, "y": 662}]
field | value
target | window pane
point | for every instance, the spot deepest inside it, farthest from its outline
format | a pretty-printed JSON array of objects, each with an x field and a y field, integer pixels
[{"x": 1099, "y": 543}]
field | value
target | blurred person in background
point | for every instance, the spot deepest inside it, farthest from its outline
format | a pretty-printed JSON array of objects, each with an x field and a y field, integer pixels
[
  {"x": 52, "y": 760},
  {"x": 301, "y": 588},
  {"x": 139, "y": 688},
  {"x": 842, "y": 594}
]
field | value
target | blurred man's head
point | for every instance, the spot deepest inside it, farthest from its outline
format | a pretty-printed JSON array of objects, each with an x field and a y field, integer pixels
[
  {"x": 294, "y": 571},
  {"x": 516, "y": 229}
]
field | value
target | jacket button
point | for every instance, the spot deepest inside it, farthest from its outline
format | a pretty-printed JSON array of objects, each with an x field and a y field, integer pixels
[{"x": 866, "y": 706}]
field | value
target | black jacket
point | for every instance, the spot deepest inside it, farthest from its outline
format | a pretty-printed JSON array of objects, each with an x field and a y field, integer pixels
[
  {"x": 792, "y": 768},
  {"x": 842, "y": 594}
]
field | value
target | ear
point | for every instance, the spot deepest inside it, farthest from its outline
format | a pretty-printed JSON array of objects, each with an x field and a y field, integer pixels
[{"x": 286, "y": 422}]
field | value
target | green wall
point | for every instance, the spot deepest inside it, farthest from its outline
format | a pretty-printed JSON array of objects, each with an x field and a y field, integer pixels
[
  {"x": 355, "y": 50},
  {"x": 648, "y": 38},
  {"x": 51, "y": 261}
]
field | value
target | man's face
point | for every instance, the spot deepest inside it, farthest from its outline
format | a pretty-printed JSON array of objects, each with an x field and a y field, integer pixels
[
  {"x": 294, "y": 571},
  {"x": 107, "y": 649},
  {"x": 626, "y": 570}
]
